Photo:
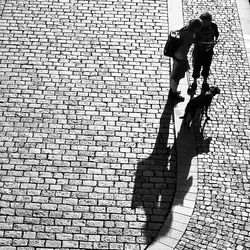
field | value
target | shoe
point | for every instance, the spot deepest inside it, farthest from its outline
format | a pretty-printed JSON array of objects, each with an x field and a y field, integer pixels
[
  {"x": 176, "y": 96},
  {"x": 192, "y": 89}
]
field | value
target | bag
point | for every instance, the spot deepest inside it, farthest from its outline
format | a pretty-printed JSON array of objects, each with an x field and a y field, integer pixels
[{"x": 172, "y": 44}]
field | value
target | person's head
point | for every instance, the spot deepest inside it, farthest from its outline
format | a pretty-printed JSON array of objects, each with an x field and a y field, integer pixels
[
  {"x": 206, "y": 19},
  {"x": 195, "y": 25}
]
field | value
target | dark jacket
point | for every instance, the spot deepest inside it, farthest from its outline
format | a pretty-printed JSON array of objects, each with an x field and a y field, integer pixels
[{"x": 205, "y": 37}]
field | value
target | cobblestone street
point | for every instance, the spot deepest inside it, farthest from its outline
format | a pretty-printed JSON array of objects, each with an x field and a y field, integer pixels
[
  {"x": 83, "y": 87},
  {"x": 88, "y": 158},
  {"x": 221, "y": 216}
]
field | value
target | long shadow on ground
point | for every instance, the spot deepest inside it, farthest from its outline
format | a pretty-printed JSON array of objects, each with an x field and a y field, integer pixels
[
  {"x": 156, "y": 179},
  {"x": 189, "y": 143},
  {"x": 155, "y": 182}
]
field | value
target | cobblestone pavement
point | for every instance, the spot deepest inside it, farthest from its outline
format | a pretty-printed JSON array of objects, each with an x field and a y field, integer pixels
[
  {"x": 84, "y": 90},
  {"x": 221, "y": 216},
  {"x": 87, "y": 150}
]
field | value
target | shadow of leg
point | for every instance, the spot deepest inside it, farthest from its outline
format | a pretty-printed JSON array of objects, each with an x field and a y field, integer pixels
[{"x": 156, "y": 179}]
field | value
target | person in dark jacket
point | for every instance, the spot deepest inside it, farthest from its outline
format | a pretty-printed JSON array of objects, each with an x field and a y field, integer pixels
[{"x": 203, "y": 52}]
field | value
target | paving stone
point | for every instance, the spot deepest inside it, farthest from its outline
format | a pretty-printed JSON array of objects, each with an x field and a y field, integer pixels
[
  {"x": 84, "y": 118},
  {"x": 220, "y": 204},
  {"x": 87, "y": 150}
]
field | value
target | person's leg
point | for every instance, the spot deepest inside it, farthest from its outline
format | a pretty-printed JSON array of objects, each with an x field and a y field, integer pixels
[
  {"x": 174, "y": 81},
  {"x": 196, "y": 67},
  {"x": 206, "y": 67},
  {"x": 205, "y": 71},
  {"x": 173, "y": 90},
  {"x": 197, "y": 63}
]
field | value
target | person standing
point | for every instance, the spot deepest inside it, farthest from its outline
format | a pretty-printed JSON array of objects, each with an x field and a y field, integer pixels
[
  {"x": 203, "y": 52},
  {"x": 180, "y": 61}
]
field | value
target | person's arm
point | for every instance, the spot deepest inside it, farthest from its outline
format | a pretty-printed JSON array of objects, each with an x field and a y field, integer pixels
[
  {"x": 182, "y": 51},
  {"x": 216, "y": 32},
  {"x": 197, "y": 38}
]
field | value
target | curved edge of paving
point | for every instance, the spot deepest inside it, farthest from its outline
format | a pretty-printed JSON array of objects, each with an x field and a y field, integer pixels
[
  {"x": 186, "y": 189},
  {"x": 177, "y": 220},
  {"x": 244, "y": 9}
]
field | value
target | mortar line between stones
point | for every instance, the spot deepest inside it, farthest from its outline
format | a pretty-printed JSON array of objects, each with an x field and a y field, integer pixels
[{"x": 4, "y": 3}]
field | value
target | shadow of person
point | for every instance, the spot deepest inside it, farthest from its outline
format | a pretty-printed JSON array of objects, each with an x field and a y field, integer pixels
[
  {"x": 155, "y": 181},
  {"x": 190, "y": 142},
  {"x": 156, "y": 178}
]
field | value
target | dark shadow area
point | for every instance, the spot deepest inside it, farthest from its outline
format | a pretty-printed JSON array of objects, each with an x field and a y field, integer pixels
[
  {"x": 155, "y": 182},
  {"x": 190, "y": 142},
  {"x": 156, "y": 178}
]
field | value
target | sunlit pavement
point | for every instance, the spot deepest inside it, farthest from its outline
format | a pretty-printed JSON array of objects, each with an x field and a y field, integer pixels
[{"x": 90, "y": 154}]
